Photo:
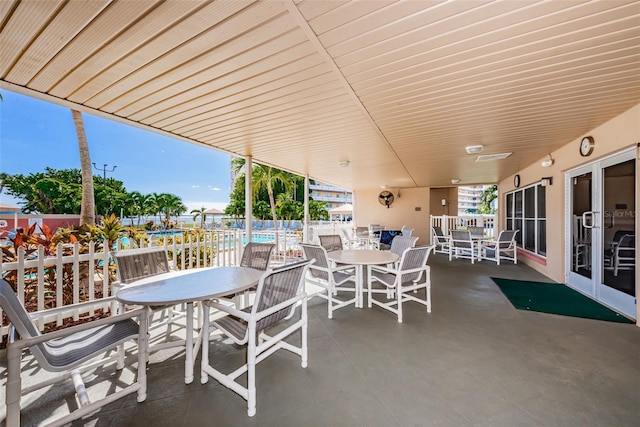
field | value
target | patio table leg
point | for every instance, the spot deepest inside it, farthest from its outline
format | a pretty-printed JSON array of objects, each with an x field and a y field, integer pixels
[{"x": 188, "y": 360}]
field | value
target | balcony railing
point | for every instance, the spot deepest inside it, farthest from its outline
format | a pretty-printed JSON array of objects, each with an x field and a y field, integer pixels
[{"x": 74, "y": 274}]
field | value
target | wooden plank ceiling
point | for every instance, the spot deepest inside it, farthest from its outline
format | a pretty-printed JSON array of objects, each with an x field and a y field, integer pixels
[{"x": 397, "y": 88}]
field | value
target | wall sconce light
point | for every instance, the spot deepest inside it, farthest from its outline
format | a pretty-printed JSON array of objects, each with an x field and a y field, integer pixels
[
  {"x": 444, "y": 202},
  {"x": 547, "y": 161},
  {"x": 546, "y": 181}
]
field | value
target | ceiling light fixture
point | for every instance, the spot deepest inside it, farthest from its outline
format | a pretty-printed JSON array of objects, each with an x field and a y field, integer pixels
[
  {"x": 455, "y": 181},
  {"x": 343, "y": 163},
  {"x": 474, "y": 149},
  {"x": 547, "y": 161},
  {"x": 492, "y": 157}
]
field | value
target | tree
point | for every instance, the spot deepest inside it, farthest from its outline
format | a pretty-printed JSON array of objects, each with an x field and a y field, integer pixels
[
  {"x": 199, "y": 213},
  {"x": 87, "y": 206},
  {"x": 318, "y": 210},
  {"x": 488, "y": 195}
]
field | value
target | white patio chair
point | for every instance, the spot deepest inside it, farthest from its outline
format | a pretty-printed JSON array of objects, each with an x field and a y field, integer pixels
[
  {"x": 333, "y": 279},
  {"x": 403, "y": 282},
  {"x": 406, "y": 231},
  {"x": 400, "y": 243},
  {"x": 279, "y": 292},
  {"x": 461, "y": 245},
  {"x": 68, "y": 352},
  {"x": 258, "y": 256},
  {"x": 622, "y": 254},
  {"x": 502, "y": 249},
  {"x": 136, "y": 264},
  {"x": 440, "y": 241},
  {"x": 331, "y": 242}
]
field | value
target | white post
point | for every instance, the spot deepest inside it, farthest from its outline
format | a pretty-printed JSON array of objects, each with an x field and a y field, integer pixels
[
  {"x": 305, "y": 235},
  {"x": 248, "y": 196}
]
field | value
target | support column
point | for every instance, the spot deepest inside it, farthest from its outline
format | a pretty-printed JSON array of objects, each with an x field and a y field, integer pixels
[
  {"x": 305, "y": 235},
  {"x": 248, "y": 196}
]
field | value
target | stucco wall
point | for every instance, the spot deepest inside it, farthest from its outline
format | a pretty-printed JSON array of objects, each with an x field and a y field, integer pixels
[
  {"x": 619, "y": 134},
  {"x": 403, "y": 211}
]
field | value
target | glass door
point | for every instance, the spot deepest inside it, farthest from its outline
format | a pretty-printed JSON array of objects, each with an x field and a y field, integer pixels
[{"x": 600, "y": 224}]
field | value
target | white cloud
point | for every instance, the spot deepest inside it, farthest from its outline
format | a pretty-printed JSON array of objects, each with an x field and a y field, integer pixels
[
  {"x": 214, "y": 188},
  {"x": 195, "y": 186}
]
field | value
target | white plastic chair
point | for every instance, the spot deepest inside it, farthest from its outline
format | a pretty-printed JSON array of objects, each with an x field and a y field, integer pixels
[
  {"x": 440, "y": 241},
  {"x": 403, "y": 282},
  {"x": 461, "y": 245},
  {"x": 68, "y": 352},
  {"x": 332, "y": 278},
  {"x": 502, "y": 249},
  {"x": 279, "y": 292},
  {"x": 136, "y": 264}
]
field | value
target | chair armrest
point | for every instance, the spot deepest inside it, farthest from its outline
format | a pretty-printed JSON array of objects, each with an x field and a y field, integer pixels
[
  {"x": 246, "y": 316},
  {"x": 382, "y": 269},
  {"x": 66, "y": 308},
  {"x": 344, "y": 267},
  {"x": 28, "y": 342},
  {"x": 214, "y": 303}
]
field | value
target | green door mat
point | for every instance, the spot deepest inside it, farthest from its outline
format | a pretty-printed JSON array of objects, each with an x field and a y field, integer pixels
[{"x": 555, "y": 298}]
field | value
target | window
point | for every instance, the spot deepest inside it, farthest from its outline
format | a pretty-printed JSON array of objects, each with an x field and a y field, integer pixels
[{"x": 526, "y": 212}]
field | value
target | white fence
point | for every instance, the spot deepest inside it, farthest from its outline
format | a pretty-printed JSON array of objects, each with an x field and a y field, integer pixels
[
  {"x": 73, "y": 275},
  {"x": 448, "y": 223}
]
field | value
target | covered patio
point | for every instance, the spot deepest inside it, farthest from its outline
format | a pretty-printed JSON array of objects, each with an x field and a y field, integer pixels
[
  {"x": 475, "y": 360},
  {"x": 413, "y": 98}
]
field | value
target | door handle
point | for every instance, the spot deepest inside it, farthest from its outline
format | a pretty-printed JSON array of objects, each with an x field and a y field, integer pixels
[{"x": 590, "y": 223}]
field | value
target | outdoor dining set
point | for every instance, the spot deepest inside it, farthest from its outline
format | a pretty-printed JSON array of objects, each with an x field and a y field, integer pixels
[
  {"x": 472, "y": 243},
  {"x": 238, "y": 303}
]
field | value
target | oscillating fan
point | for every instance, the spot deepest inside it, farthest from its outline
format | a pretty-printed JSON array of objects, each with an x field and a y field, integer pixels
[{"x": 385, "y": 198}]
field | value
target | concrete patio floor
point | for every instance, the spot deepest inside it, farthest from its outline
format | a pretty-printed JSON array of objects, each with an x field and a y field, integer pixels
[{"x": 474, "y": 361}]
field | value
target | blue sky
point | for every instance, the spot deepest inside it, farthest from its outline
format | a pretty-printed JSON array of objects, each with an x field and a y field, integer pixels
[{"x": 35, "y": 134}]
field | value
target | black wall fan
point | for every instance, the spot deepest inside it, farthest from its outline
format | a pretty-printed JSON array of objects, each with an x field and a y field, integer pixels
[{"x": 385, "y": 198}]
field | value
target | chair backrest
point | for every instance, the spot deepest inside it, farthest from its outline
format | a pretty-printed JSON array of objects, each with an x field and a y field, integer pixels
[
  {"x": 362, "y": 231},
  {"x": 476, "y": 231},
  {"x": 440, "y": 237},
  {"x": 415, "y": 257},
  {"x": 257, "y": 255},
  {"x": 15, "y": 311},
  {"x": 21, "y": 322},
  {"x": 135, "y": 264},
  {"x": 277, "y": 286},
  {"x": 626, "y": 247},
  {"x": 318, "y": 253},
  {"x": 331, "y": 242},
  {"x": 461, "y": 238},
  {"x": 400, "y": 243},
  {"x": 507, "y": 239},
  {"x": 406, "y": 231}
]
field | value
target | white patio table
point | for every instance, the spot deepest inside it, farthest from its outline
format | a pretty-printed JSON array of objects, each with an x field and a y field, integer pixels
[
  {"x": 360, "y": 258},
  {"x": 188, "y": 286}
]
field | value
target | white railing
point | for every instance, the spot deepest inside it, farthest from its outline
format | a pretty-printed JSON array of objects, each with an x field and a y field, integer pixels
[
  {"x": 87, "y": 271},
  {"x": 448, "y": 223}
]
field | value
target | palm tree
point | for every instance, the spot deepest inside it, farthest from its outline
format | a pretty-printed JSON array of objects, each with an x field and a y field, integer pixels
[
  {"x": 199, "y": 213},
  {"x": 87, "y": 207}
]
